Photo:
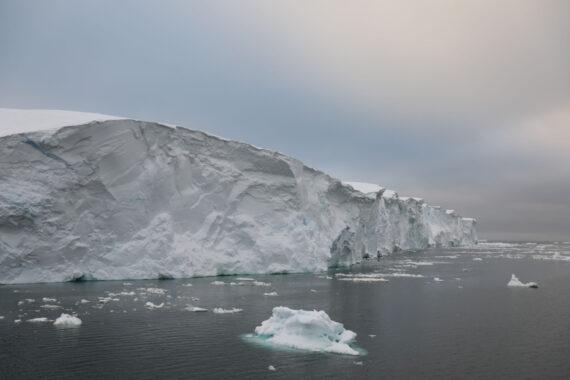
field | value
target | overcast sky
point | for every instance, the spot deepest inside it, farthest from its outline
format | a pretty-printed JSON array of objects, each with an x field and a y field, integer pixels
[{"x": 464, "y": 103}]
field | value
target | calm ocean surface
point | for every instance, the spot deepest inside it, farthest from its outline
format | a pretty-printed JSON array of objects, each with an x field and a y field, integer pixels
[{"x": 469, "y": 325}]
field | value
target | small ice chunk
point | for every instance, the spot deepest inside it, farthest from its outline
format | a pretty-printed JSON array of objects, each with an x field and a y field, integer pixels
[
  {"x": 477, "y": 259},
  {"x": 363, "y": 279},
  {"x": 127, "y": 293},
  {"x": 219, "y": 310},
  {"x": 272, "y": 368},
  {"x": 312, "y": 290},
  {"x": 127, "y": 283},
  {"x": 358, "y": 363},
  {"x": 261, "y": 283},
  {"x": 50, "y": 307},
  {"x": 245, "y": 279},
  {"x": 515, "y": 282},
  {"x": 372, "y": 335},
  {"x": 66, "y": 320},
  {"x": 17, "y": 321},
  {"x": 46, "y": 299},
  {"x": 188, "y": 284},
  {"x": 1, "y": 317},
  {"x": 437, "y": 279},
  {"x": 30, "y": 300},
  {"x": 155, "y": 290},
  {"x": 271, "y": 294},
  {"x": 195, "y": 309},
  {"x": 38, "y": 320},
  {"x": 217, "y": 283},
  {"x": 150, "y": 305},
  {"x": 306, "y": 330}
]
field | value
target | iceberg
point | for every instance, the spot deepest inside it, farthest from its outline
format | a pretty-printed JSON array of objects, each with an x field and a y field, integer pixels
[
  {"x": 516, "y": 283},
  {"x": 66, "y": 320},
  {"x": 88, "y": 196},
  {"x": 306, "y": 330}
]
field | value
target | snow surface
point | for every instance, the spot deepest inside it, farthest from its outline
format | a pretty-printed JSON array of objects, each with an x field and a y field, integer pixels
[
  {"x": 306, "y": 330},
  {"x": 66, "y": 320},
  {"x": 13, "y": 121},
  {"x": 515, "y": 282},
  {"x": 125, "y": 199}
]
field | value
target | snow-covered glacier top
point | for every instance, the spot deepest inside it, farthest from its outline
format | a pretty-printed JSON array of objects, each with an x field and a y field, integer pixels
[
  {"x": 89, "y": 196},
  {"x": 14, "y": 121}
]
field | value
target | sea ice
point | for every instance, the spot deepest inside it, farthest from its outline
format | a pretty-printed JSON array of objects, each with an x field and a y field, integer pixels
[
  {"x": 271, "y": 294},
  {"x": 38, "y": 320},
  {"x": 66, "y": 320},
  {"x": 306, "y": 330},
  {"x": 150, "y": 305},
  {"x": 515, "y": 282},
  {"x": 271, "y": 368},
  {"x": 195, "y": 308},
  {"x": 219, "y": 310},
  {"x": 217, "y": 283},
  {"x": 46, "y": 299}
]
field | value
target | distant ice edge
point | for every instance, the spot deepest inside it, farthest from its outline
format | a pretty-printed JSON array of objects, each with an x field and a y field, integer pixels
[{"x": 126, "y": 199}]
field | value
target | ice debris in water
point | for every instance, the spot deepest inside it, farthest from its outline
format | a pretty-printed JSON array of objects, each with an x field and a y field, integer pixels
[
  {"x": 195, "y": 309},
  {"x": 46, "y": 299},
  {"x": 245, "y": 279},
  {"x": 306, "y": 330},
  {"x": 437, "y": 279},
  {"x": 217, "y": 283},
  {"x": 66, "y": 320},
  {"x": 150, "y": 305},
  {"x": 38, "y": 320},
  {"x": 271, "y": 294},
  {"x": 50, "y": 307},
  {"x": 219, "y": 310},
  {"x": 271, "y": 368},
  {"x": 515, "y": 282}
]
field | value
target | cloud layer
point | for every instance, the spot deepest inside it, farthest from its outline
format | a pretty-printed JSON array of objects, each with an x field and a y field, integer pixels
[{"x": 465, "y": 103}]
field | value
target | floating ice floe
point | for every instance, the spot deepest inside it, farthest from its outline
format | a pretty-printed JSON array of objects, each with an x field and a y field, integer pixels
[
  {"x": 271, "y": 294},
  {"x": 153, "y": 290},
  {"x": 306, "y": 330},
  {"x": 188, "y": 284},
  {"x": 217, "y": 283},
  {"x": 437, "y": 279},
  {"x": 219, "y": 310},
  {"x": 127, "y": 283},
  {"x": 195, "y": 309},
  {"x": 67, "y": 320},
  {"x": 84, "y": 301},
  {"x": 515, "y": 282},
  {"x": 50, "y": 307},
  {"x": 46, "y": 299},
  {"x": 1, "y": 317},
  {"x": 245, "y": 279},
  {"x": 364, "y": 279},
  {"x": 477, "y": 259},
  {"x": 38, "y": 320},
  {"x": 271, "y": 368},
  {"x": 150, "y": 305}
]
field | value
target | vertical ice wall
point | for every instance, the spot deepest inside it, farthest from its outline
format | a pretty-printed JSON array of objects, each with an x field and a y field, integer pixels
[{"x": 129, "y": 199}]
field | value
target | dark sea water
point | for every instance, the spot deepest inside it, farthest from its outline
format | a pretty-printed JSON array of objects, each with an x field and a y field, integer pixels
[{"x": 470, "y": 325}]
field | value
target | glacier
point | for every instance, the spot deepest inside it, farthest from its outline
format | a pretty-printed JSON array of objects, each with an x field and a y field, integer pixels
[{"x": 89, "y": 196}]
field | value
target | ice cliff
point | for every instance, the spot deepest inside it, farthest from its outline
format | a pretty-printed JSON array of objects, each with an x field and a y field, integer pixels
[{"x": 88, "y": 196}]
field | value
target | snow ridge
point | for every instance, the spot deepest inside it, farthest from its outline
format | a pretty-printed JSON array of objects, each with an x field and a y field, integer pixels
[{"x": 127, "y": 199}]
